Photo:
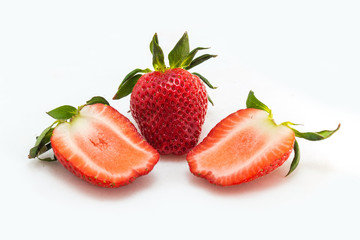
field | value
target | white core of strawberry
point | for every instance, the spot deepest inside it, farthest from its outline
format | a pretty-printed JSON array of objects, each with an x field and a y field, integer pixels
[{"x": 88, "y": 112}]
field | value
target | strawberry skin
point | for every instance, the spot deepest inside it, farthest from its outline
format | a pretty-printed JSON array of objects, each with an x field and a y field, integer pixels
[
  {"x": 169, "y": 108},
  {"x": 242, "y": 147},
  {"x": 103, "y": 147},
  {"x": 169, "y": 104}
]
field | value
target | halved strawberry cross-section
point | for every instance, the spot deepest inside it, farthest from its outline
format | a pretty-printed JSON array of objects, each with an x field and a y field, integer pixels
[
  {"x": 101, "y": 146},
  {"x": 246, "y": 145}
]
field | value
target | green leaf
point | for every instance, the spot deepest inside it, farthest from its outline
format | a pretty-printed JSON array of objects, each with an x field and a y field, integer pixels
[
  {"x": 296, "y": 160},
  {"x": 158, "y": 55},
  {"x": 288, "y": 124},
  {"x": 63, "y": 113},
  {"x": 33, "y": 152},
  {"x": 199, "y": 60},
  {"x": 41, "y": 140},
  {"x": 210, "y": 101},
  {"x": 48, "y": 159},
  {"x": 187, "y": 61},
  {"x": 45, "y": 143},
  {"x": 97, "y": 99},
  {"x": 204, "y": 80},
  {"x": 133, "y": 73},
  {"x": 179, "y": 52},
  {"x": 316, "y": 136},
  {"x": 128, "y": 77},
  {"x": 46, "y": 147},
  {"x": 156, "y": 40},
  {"x": 127, "y": 88},
  {"x": 253, "y": 102}
]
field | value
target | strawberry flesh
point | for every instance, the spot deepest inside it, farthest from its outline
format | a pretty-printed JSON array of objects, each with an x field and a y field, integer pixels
[
  {"x": 103, "y": 147},
  {"x": 245, "y": 145}
]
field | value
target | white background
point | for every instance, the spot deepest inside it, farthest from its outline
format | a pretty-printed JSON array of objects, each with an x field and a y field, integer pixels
[{"x": 301, "y": 58}]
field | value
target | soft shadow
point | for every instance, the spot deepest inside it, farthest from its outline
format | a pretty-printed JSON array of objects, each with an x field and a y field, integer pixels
[
  {"x": 319, "y": 165},
  {"x": 171, "y": 157},
  {"x": 59, "y": 172},
  {"x": 271, "y": 180}
]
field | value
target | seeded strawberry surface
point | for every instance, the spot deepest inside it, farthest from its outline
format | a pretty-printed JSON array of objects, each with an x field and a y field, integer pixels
[
  {"x": 169, "y": 108},
  {"x": 169, "y": 104}
]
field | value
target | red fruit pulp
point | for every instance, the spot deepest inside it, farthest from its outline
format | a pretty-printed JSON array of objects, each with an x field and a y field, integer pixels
[
  {"x": 243, "y": 146},
  {"x": 103, "y": 147}
]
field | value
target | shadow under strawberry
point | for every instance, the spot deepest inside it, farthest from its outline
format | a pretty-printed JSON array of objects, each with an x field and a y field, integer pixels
[
  {"x": 56, "y": 171},
  {"x": 270, "y": 181}
]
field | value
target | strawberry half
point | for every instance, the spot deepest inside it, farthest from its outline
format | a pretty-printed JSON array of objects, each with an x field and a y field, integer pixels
[
  {"x": 169, "y": 104},
  {"x": 246, "y": 145},
  {"x": 97, "y": 143}
]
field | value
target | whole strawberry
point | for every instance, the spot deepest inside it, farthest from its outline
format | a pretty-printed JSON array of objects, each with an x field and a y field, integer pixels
[{"x": 169, "y": 104}]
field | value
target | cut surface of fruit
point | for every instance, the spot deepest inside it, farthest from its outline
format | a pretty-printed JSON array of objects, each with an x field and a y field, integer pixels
[
  {"x": 103, "y": 147},
  {"x": 245, "y": 145}
]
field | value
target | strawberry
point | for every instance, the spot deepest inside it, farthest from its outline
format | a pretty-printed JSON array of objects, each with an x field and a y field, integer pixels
[
  {"x": 169, "y": 104},
  {"x": 96, "y": 143},
  {"x": 246, "y": 145}
]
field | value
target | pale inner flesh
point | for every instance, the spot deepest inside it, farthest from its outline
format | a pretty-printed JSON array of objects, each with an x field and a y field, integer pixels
[
  {"x": 243, "y": 145},
  {"x": 102, "y": 146}
]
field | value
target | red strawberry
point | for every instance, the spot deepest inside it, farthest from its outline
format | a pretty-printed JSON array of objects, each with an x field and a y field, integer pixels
[
  {"x": 169, "y": 104},
  {"x": 98, "y": 144},
  {"x": 246, "y": 145}
]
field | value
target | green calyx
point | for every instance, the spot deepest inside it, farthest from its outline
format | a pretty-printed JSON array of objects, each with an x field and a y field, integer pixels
[
  {"x": 127, "y": 85},
  {"x": 61, "y": 114},
  {"x": 253, "y": 102},
  {"x": 179, "y": 57},
  {"x": 158, "y": 55}
]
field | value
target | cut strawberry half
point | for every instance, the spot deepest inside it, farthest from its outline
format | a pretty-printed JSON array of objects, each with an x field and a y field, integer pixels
[
  {"x": 243, "y": 146},
  {"x": 100, "y": 145},
  {"x": 246, "y": 145}
]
